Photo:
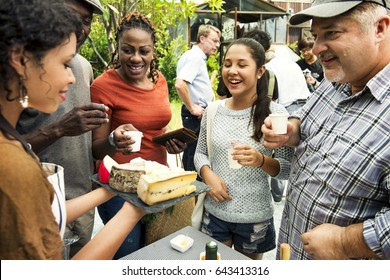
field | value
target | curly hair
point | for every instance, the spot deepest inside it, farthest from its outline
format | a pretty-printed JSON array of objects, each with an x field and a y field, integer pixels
[
  {"x": 33, "y": 26},
  {"x": 139, "y": 21},
  {"x": 260, "y": 108}
]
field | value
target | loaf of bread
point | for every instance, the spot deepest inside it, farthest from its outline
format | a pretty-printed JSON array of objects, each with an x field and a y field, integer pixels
[{"x": 157, "y": 187}]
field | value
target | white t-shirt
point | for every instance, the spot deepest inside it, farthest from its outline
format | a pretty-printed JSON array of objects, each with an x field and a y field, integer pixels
[{"x": 291, "y": 82}]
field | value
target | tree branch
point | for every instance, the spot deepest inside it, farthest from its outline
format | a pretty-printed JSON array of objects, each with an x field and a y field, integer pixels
[{"x": 97, "y": 53}]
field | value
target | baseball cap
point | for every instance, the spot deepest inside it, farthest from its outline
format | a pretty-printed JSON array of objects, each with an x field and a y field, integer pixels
[
  {"x": 330, "y": 8},
  {"x": 97, "y": 7}
]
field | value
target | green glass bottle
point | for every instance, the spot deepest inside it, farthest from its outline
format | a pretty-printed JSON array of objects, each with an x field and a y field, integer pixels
[{"x": 211, "y": 251}]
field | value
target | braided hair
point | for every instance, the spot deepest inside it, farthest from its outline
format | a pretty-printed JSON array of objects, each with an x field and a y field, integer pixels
[{"x": 140, "y": 21}]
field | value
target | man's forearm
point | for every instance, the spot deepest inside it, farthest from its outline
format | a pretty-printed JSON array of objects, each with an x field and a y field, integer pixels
[
  {"x": 184, "y": 95},
  {"x": 354, "y": 245},
  {"x": 44, "y": 137}
]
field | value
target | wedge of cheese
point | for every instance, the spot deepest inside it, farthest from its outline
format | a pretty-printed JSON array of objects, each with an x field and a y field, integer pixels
[
  {"x": 125, "y": 177},
  {"x": 157, "y": 187}
]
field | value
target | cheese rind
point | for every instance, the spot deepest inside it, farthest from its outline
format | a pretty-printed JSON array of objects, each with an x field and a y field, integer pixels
[
  {"x": 105, "y": 169},
  {"x": 155, "y": 188},
  {"x": 125, "y": 178}
]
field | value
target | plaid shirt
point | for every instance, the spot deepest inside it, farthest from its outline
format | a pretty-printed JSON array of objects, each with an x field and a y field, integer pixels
[{"x": 340, "y": 171}]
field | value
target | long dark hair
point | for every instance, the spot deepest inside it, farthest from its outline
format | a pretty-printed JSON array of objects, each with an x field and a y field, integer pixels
[
  {"x": 139, "y": 21},
  {"x": 260, "y": 108}
]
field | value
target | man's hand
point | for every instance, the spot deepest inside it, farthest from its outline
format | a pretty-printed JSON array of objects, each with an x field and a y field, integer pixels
[
  {"x": 197, "y": 110},
  {"x": 272, "y": 140},
  {"x": 75, "y": 122},
  {"x": 312, "y": 81},
  {"x": 83, "y": 119},
  {"x": 332, "y": 242},
  {"x": 324, "y": 242}
]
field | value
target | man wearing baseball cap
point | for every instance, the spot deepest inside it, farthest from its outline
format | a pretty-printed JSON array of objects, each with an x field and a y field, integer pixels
[
  {"x": 97, "y": 7},
  {"x": 75, "y": 118},
  {"x": 338, "y": 199}
]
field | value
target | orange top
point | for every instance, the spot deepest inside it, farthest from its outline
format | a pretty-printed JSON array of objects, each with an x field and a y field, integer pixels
[{"x": 147, "y": 110}]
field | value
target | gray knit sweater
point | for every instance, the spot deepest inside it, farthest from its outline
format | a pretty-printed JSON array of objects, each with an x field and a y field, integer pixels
[{"x": 248, "y": 186}]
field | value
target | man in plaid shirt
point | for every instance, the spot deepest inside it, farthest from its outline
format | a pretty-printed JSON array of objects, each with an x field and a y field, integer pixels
[{"x": 338, "y": 199}]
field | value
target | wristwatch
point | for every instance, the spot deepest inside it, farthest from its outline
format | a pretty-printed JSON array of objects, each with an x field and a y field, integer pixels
[{"x": 111, "y": 139}]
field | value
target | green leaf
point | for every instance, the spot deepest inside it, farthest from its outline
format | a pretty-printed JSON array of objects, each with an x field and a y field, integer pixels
[{"x": 115, "y": 10}]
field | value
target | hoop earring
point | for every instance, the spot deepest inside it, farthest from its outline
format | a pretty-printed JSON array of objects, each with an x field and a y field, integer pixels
[{"x": 23, "y": 97}]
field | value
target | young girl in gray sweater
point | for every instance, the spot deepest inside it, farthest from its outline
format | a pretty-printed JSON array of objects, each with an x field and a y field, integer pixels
[{"x": 238, "y": 208}]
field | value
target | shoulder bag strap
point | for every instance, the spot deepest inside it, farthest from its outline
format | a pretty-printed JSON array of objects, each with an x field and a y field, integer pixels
[
  {"x": 271, "y": 84},
  {"x": 211, "y": 111}
]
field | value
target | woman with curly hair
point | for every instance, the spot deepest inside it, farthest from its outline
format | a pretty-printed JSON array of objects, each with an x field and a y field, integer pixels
[
  {"x": 136, "y": 94},
  {"x": 38, "y": 42}
]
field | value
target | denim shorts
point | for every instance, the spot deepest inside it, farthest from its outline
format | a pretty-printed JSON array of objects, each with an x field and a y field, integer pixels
[{"x": 249, "y": 238}]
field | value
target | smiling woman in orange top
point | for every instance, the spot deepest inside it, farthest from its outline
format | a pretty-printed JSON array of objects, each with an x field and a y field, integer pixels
[{"x": 137, "y": 97}]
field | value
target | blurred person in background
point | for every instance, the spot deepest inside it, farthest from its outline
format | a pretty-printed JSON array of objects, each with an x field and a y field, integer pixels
[
  {"x": 193, "y": 84},
  {"x": 310, "y": 65}
]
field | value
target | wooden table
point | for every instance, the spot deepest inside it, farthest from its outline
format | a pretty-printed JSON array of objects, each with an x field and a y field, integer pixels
[{"x": 162, "y": 250}]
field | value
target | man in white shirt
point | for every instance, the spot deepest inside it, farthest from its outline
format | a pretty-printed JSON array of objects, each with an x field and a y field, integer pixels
[
  {"x": 193, "y": 84},
  {"x": 293, "y": 90}
]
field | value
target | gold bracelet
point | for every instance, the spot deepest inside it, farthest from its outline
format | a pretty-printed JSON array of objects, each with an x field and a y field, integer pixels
[{"x": 263, "y": 160}]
